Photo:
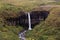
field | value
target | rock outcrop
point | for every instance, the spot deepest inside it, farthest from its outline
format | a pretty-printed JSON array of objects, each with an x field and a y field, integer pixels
[{"x": 22, "y": 20}]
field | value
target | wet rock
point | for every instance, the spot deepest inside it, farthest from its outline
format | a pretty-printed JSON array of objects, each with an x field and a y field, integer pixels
[{"x": 22, "y": 20}]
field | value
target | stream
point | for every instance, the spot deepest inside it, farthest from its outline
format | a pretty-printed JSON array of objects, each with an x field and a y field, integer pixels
[{"x": 22, "y": 33}]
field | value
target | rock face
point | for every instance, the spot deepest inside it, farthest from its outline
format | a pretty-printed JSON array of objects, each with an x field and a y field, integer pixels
[{"x": 36, "y": 17}]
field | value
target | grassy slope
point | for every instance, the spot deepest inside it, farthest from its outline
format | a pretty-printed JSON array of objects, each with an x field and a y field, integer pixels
[
  {"x": 10, "y": 32},
  {"x": 48, "y": 29},
  {"x": 25, "y": 4}
]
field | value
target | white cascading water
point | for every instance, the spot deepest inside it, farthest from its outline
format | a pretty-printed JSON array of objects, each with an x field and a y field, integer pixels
[
  {"x": 29, "y": 20},
  {"x": 22, "y": 34}
]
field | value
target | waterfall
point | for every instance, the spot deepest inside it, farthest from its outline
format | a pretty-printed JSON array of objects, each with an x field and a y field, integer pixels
[
  {"x": 22, "y": 34},
  {"x": 29, "y": 20}
]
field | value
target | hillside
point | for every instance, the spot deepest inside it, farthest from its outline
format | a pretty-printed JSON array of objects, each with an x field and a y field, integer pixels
[
  {"x": 26, "y": 4},
  {"x": 46, "y": 30}
]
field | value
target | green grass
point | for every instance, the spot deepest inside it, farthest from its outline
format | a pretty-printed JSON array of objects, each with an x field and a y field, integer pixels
[
  {"x": 48, "y": 29},
  {"x": 26, "y": 5},
  {"x": 9, "y": 32},
  {"x": 54, "y": 2}
]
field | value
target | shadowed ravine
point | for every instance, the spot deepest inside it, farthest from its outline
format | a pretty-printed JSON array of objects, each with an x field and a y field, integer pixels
[
  {"x": 22, "y": 34},
  {"x": 28, "y": 21},
  {"x": 36, "y": 18}
]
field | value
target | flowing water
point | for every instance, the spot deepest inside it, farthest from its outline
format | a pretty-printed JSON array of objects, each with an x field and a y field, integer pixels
[
  {"x": 22, "y": 34},
  {"x": 29, "y": 20}
]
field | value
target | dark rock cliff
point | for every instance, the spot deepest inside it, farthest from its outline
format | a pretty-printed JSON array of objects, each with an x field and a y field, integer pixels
[{"x": 22, "y": 20}]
